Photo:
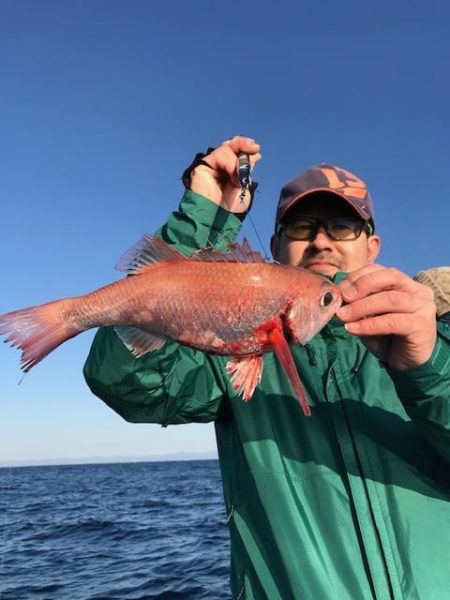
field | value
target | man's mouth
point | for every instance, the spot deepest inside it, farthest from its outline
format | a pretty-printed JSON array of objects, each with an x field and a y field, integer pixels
[{"x": 319, "y": 263}]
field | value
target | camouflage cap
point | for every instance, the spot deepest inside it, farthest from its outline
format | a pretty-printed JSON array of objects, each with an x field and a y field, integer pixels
[
  {"x": 438, "y": 279},
  {"x": 326, "y": 178}
]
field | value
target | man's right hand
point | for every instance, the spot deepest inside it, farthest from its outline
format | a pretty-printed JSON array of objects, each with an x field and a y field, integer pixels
[{"x": 220, "y": 183}]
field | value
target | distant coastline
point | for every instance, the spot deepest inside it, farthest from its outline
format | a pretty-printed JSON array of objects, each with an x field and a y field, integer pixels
[{"x": 108, "y": 459}]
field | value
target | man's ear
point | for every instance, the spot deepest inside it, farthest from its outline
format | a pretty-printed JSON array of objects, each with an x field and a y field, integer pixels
[
  {"x": 275, "y": 245},
  {"x": 374, "y": 247}
]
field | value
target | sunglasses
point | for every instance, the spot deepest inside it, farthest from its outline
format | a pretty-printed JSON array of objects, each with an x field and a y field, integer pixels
[{"x": 337, "y": 228}]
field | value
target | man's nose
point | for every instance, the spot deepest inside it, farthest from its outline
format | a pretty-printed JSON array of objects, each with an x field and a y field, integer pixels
[{"x": 321, "y": 239}]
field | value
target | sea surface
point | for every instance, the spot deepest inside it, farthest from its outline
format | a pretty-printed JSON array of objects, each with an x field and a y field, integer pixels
[{"x": 129, "y": 531}]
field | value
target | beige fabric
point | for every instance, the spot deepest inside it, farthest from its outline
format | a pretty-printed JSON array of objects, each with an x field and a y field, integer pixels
[{"x": 438, "y": 279}]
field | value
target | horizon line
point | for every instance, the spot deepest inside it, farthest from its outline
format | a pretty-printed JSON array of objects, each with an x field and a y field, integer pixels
[{"x": 47, "y": 462}]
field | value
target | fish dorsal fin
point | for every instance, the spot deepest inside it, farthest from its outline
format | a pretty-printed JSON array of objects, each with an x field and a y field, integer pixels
[
  {"x": 149, "y": 250},
  {"x": 139, "y": 342},
  {"x": 235, "y": 252}
]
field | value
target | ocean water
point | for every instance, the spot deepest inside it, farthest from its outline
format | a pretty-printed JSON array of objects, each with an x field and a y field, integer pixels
[{"x": 128, "y": 531}]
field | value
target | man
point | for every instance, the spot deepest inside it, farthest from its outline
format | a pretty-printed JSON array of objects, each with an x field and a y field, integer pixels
[{"x": 350, "y": 503}]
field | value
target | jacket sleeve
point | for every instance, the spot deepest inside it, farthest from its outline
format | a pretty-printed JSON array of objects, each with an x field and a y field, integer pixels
[
  {"x": 425, "y": 393},
  {"x": 175, "y": 384}
]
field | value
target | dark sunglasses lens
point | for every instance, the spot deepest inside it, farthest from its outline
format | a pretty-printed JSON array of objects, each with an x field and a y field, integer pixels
[
  {"x": 344, "y": 229},
  {"x": 300, "y": 230}
]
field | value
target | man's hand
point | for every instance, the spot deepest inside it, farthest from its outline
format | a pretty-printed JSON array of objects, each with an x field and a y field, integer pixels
[
  {"x": 220, "y": 183},
  {"x": 393, "y": 315}
]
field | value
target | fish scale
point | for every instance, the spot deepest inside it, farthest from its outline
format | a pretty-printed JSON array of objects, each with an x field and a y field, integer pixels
[{"x": 232, "y": 310}]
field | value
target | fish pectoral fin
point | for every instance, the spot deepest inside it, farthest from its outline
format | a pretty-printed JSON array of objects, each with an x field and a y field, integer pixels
[
  {"x": 283, "y": 353},
  {"x": 138, "y": 341},
  {"x": 245, "y": 374}
]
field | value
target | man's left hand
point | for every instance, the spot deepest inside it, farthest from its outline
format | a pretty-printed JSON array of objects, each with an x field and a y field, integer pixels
[{"x": 393, "y": 315}]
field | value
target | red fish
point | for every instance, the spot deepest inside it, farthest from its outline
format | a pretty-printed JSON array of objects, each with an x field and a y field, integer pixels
[{"x": 231, "y": 303}]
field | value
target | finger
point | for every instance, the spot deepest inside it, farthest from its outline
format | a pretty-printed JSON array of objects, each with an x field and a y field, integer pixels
[
  {"x": 225, "y": 160},
  {"x": 372, "y": 267},
  {"x": 349, "y": 286},
  {"x": 240, "y": 143},
  {"x": 392, "y": 301},
  {"x": 374, "y": 279},
  {"x": 221, "y": 160},
  {"x": 390, "y": 324}
]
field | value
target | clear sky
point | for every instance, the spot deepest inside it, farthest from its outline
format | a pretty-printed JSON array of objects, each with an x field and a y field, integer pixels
[{"x": 103, "y": 103}]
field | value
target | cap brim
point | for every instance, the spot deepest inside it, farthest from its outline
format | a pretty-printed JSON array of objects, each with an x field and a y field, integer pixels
[{"x": 295, "y": 200}]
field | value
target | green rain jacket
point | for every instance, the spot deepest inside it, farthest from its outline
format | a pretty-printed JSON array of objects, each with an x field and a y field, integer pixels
[{"x": 350, "y": 503}]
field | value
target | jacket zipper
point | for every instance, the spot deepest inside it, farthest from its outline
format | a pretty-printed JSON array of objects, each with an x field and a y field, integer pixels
[{"x": 362, "y": 537}]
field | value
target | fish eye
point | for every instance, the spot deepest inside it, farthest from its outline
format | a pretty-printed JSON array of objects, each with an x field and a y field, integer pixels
[{"x": 326, "y": 299}]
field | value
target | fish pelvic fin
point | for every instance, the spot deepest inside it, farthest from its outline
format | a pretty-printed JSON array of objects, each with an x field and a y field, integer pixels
[
  {"x": 284, "y": 355},
  {"x": 138, "y": 341},
  {"x": 38, "y": 330},
  {"x": 245, "y": 374}
]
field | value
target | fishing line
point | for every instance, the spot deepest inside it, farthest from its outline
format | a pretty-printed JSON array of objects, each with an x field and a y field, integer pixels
[{"x": 261, "y": 244}]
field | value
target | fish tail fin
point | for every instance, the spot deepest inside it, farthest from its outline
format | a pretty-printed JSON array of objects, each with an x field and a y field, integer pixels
[
  {"x": 38, "y": 330},
  {"x": 283, "y": 353}
]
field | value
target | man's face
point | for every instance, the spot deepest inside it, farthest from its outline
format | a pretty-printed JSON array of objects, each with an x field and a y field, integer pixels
[{"x": 322, "y": 254}]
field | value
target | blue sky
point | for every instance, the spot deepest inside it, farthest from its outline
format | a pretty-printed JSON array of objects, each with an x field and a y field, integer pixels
[{"x": 104, "y": 102}]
